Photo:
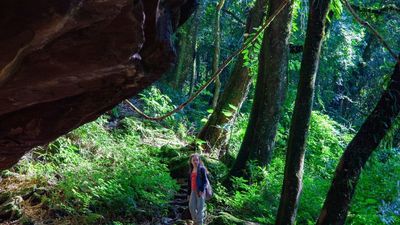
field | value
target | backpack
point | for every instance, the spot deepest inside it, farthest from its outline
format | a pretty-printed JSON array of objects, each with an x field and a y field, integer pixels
[{"x": 208, "y": 190}]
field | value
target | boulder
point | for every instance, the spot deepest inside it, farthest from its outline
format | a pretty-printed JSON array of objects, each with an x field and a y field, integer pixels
[{"x": 64, "y": 63}]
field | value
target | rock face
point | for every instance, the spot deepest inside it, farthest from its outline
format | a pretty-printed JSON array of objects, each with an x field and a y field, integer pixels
[{"x": 64, "y": 63}]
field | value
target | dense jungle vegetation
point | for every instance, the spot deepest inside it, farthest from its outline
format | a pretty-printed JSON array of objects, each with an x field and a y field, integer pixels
[{"x": 304, "y": 102}]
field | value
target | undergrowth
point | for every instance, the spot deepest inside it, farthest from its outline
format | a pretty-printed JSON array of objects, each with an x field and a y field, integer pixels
[
  {"x": 111, "y": 173},
  {"x": 115, "y": 170},
  {"x": 377, "y": 195}
]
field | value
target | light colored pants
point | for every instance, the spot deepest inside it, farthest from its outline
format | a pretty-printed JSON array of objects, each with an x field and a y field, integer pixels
[{"x": 196, "y": 208}]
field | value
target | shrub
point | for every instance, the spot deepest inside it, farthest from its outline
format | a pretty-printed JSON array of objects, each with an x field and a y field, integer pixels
[{"x": 109, "y": 174}]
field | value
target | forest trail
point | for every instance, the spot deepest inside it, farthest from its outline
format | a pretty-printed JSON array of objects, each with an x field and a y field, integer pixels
[{"x": 179, "y": 211}]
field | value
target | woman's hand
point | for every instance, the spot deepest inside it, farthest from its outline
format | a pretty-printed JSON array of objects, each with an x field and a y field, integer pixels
[{"x": 200, "y": 193}]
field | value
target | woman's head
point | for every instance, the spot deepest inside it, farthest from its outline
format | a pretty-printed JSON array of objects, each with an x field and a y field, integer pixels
[{"x": 195, "y": 161}]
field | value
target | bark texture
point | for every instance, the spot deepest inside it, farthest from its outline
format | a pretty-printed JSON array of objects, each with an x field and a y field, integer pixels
[
  {"x": 293, "y": 178},
  {"x": 195, "y": 45},
  {"x": 181, "y": 70},
  {"x": 214, "y": 133},
  {"x": 270, "y": 92},
  {"x": 64, "y": 63},
  {"x": 217, "y": 51},
  {"x": 367, "y": 139}
]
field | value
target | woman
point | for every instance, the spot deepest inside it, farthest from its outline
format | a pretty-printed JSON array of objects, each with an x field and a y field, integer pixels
[{"x": 196, "y": 187}]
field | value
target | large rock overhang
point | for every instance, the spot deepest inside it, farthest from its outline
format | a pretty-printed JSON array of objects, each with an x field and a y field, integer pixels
[{"x": 64, "y": 63}]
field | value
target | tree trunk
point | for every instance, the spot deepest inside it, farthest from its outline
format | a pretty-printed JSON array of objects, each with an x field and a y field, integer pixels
[
  {"x": 214, "y": 133},
  {"x": 195, "y": 28},
  {"x": 357, "y": 153},
  {"x": 270, "y": 92},
  {"x": 217, "y": 50},
  {"x": 194, "y": 76},
  {"x": 292, "y": 184},
  {"x": 187, "y": 39},
  {"x": 180, "y": 72},
  {"x": 359, "y": 80}
]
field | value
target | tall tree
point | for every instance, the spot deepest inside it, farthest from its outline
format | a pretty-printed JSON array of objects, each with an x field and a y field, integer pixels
[
  {"x": 217, "y": 50},
  {"x": 358, "y": 151},
  {"x": 195, "y": 62},
  {"x": 186, "y": 47},
  {"x": 302, "y": 111},
  {"x": 270, "y": 91},
  {"x": 179, "y": 74},
  {"x": 214, "y": 132}
]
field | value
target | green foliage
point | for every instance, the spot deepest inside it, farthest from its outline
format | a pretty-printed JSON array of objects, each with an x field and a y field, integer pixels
[
  {"x": 250, "y": 54},
  {"x": 336, "y": 7},
  {"x": 109, "y": 174},
  {"x": 377, "y": 189},
  {"x": 227, "y": 219},
  {"x": 297, "y": 10},
  {"x": 157, "y": 104},
  {"x": 389, "y": 139},
  {"x": 325, "y": 144},
  {"x": 255, "y": 202},
  {"x": 98, "y": 170},
  {"x": 237, "y": 133},
  {"x": 259, "y": 201}
]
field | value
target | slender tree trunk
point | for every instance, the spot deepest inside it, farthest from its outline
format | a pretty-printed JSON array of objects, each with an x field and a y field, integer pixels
[
  {"x": 187, "y": 38},
  {"x": 195, "y": 28},
  {"x": 360, "y": 77},
  {"x": 339, "y": 90},
  {"x": 180, "y": 72},
  {"x": 270, "y": 92},
  {"x": 217, "y": 50},
  {"x": 358, "y": 80},
  {"x": 214, "y": 133},
  {"x": 292, "y": 184},
  {"x": 193, "y": 78},
  {"x": 357, "y": 153}
]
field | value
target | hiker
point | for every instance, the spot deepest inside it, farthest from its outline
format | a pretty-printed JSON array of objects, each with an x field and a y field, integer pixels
[{"x": 196, "y": 188}]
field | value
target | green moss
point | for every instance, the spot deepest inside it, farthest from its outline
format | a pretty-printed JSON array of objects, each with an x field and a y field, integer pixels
[
  {"x": 227, "y": 219},
  {"x": 4, "y": 196},
  {"x": 179, "y": 166}
]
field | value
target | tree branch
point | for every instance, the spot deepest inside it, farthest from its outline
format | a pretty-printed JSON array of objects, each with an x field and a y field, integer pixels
[
  {"x": 234, "y": 16},
  {"x": 245, "y": 45}
]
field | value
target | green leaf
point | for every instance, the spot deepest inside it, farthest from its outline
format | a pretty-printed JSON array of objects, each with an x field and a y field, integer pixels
[
  {"x": 370, "y": 201},
  {"x": 233, "y": 107},
  {"x": 227, "y": 113}
]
